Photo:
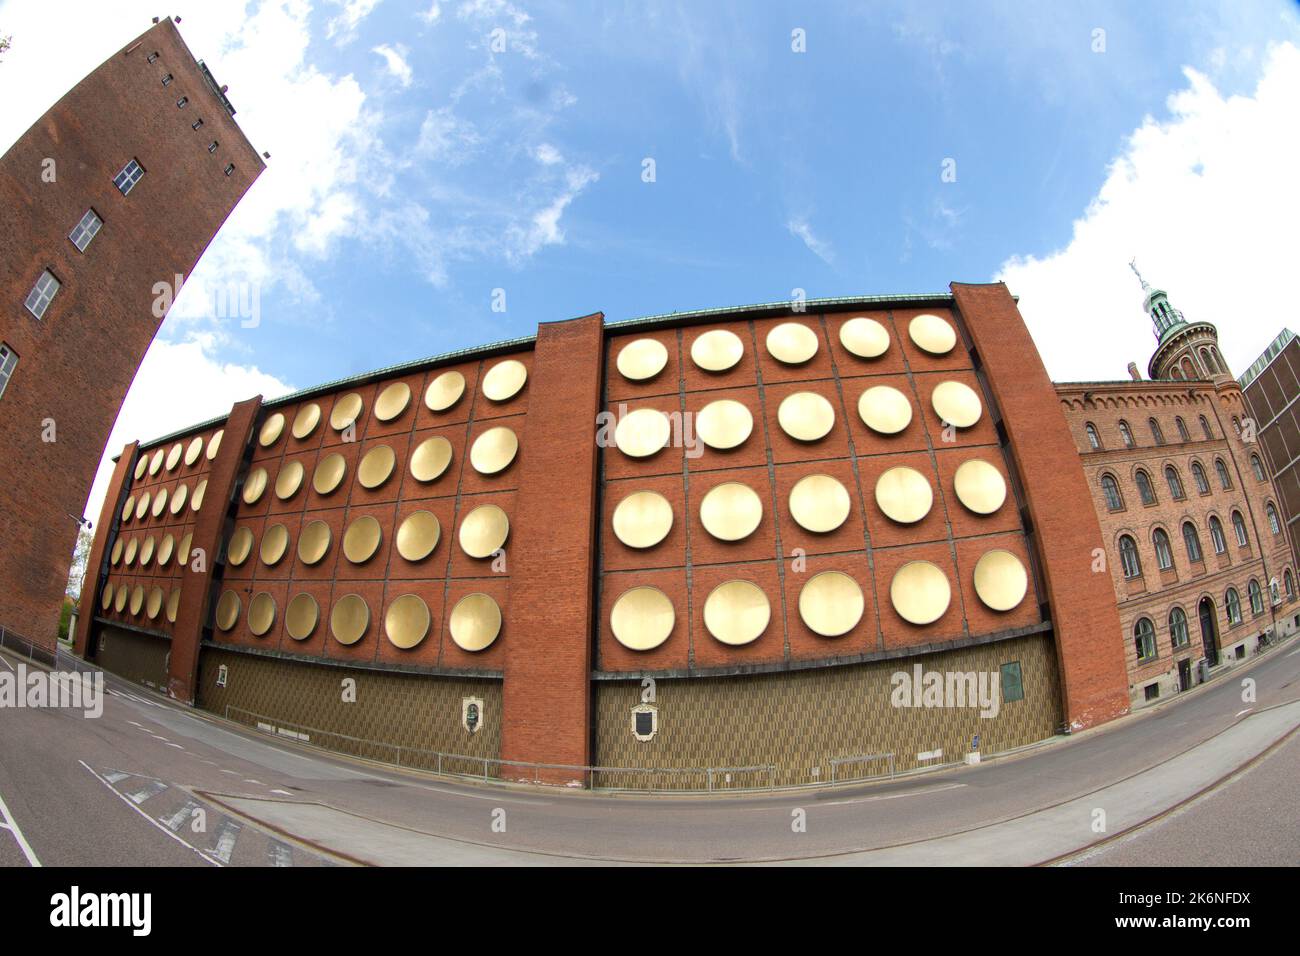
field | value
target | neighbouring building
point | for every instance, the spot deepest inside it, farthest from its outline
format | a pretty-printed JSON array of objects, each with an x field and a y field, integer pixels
[{"x": 1272, "y": 387}]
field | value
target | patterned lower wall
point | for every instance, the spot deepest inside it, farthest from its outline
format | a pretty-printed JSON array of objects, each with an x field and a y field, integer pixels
[
  {"x": 140, "y": 658},
  {"x": 801, "y": 720},
  {"x": 390, "y": 710}
]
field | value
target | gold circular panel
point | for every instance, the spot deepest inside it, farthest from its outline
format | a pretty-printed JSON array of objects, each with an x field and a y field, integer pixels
[
  {"x": 1000, "y": 580},
  {"x": 392, "y": 401},
  {"x": 166, "y": 548},
  {"x": 140, "y": 467},
  {"x": 159, "y": 503},
  {"x": 361, "y": 540},
  {"x": 228, "y": 607},
  {"x": 642, "y": 618},
  {"x": 174, "y": 458},
  {"x": 407, "y": 621},
  {"x": 980, "y": 486},
  {"x": 805, "y": 416},
  {"x": 643, "y": 519},
  {"x": 643, "y": 432},
  {"x": 106, "y": 597},
  {"x": 137, "y": 599},
  {"x": 131, "y": 547},
  {"x": 275, "y": 542},
  {"x": 179, "y": 497},
  {"x": 301, "y": 616},
  {"x": 920, "y": 592},
  {"x": 142, "y": 506},
  {"x": 146, "y": 550},
  {"x": 376, "y": 466},
  {"x": 240, "y": 546},
  {"x": 430, "y": 458},
  {"x": 214, "y": 443},
  {"x": 183, "y": 549},
  {"x": 314, "y": 542},
  {"x": 346, "y": 411},
  {"x": 724, "y": 424},
  {"x": 483, "y": 531},
  {"x": 904, "y": 495},
  {"x": 717, "y": 350},
  {"x": 329, "y": 473},
  {"x": 819, "y": 503},
  {"x": 120, "y": 599},
  {"x": 494, "y": 450},
  {"x": 418, "y": 535},
  {"x": 737, "y": 612},
  {"x": 504, "y": 380},
  {"x": 932, "y": 334},
  {"x": 117, "y": 550},
  {"x": 153, "y": 607},
  {"x": 155, "y": 463},
  {"x": 731, "y": 511},
  {"x": 255, "y": 485},
  {"x": 885, "y": 409},
  {"x": 831, "y": 603},
  {"x": 865, "y": 338},
  {"x": 196, "y": 500},
  {"x": 261, "y": 613},
  {"x": 194, "y": 450},
  {"x": 444, "y": 391},
  {"x": 173, "y": 604},
  {"x": 642, "y": 359},
  {"x": 128, "y": 508},
  {"x": 305, "y": 422},
  {"x": 271, "y": 431},
  {"x": 956, "y": 403},
  {"x": 289, "y": 480},
  {"x": 792, "y": 343},
  {"x": 349, "y": 619},
  {"x": 475, "y": 622}
]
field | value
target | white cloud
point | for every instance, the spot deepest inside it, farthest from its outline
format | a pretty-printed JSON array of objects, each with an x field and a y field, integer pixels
[
  {"x": 446, "y": 137},
  {"x": 344, "y": 26},
  {"x": 1206, "y": 201},
  {"x": 543, "y": 229},
  {"x": 395, "y": 62},
  {"x": 800, "y": 228},
  {"x": 432, "y": 14},
  {"x": 547, "y": 155}
]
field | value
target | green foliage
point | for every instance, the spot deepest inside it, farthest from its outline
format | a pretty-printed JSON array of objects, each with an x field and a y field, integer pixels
[{"x": 64, "y": 617}]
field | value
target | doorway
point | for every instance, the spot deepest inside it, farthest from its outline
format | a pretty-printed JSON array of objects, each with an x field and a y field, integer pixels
[
  {"x": 1209, "y": 631},
  {"x": 1184, "y": 675}
]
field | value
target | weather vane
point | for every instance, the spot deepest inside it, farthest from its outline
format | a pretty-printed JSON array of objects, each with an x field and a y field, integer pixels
[{"x": 1132, "y": 264}]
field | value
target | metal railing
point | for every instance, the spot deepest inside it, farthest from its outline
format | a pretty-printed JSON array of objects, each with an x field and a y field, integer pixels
[{"x": 13, "y": 641}]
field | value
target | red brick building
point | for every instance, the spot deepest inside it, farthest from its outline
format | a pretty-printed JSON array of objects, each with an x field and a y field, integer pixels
[{"x": 119, "y": 187}]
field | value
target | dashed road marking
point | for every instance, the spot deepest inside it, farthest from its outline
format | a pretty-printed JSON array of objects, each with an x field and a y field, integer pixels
[
  {"x": 152, "y": 821},
  {"x": 151, "y": 789},
  {"x": 227, "y": 834},
  {"x": 284, "y": 793},
  {"x": 279, "y": 854},
  {"x": 178, "y": 819}
]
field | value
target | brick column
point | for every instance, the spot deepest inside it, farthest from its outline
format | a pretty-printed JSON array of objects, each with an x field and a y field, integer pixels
[
  {"x": 196, "y": 586},
  {"x": 547, "y": 694},
  {"x": 105, "y": 533},
  {"x": 1066, "y": 532}
]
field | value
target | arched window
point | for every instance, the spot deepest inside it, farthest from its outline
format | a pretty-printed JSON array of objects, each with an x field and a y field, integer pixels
[
  {"x": 1208, "y": 362},
  {"x": 1125, "y": 433},
  {"x": 1147, "y": 493},
  {"x": 1256, "y": 597},
  {"x": 1192, "y": 541},
  {"x": 1178, "y": 627},
  {"x": 1205, "y": 427},
  {"x": 1236, "y": 425},
  {"x": 1110, "y": 488},
  {"x": 1128, "y": 557},
  {"x": 1198, "y": 475},
  {"x": 1175, "y": 483},
  {"x": 1164, "y": 553},
  {"x": 1093, "y": 438},
  {"x": 1221, "y": 470},
  {"x": 1273, "y": 594},
  {"x": 1189, "y": 373},
  {"x": 1273, "y": 524},
  {"x": 1288, "y": 583},
  {"x": 1239, "y": 528},
  {"x": 1144, "y": 639},
  {"x": 1216, "y": 536},
  {"x": 1176, "y": 374},
  {"x": 1156, "y": 433},
  {"x": 1232, "y": 601},
  {"x": 1218, "y": 360},
  {"x": 1257, "y": 467},
  {"x": 1182, "y": 429}
]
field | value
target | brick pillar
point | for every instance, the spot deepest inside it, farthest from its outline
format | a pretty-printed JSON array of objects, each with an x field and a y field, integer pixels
[
  {"x": 1066, "y": 532},
  {"x": 105, "y": 533},
  {"x": 547, "y": 694},
  {"x": 196, "y": 586}
]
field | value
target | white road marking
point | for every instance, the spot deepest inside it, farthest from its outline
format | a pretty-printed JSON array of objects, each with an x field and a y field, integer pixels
[
  {"x": 177, "y": 746},
  {"x": 257, "y": 782},
  {"x": 231, "y": 772},
  {"x": 10, "y": 825},
  {"x": 115, "y": 776},
  {"x": 152, "y": 821},
  {"x": 177, "y": 819},
  {"x": 279, "y": 854},
  {"x": 227, "y": 834},
  {"x": 6, "y": 662},
  {"x": 1246, "y": 711},
  {"x": 151, "y": 789},
  {"x": 283, "y": 793}
]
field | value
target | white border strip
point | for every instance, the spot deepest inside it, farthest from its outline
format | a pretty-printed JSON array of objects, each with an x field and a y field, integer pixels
[{"x": 156, "y": 824}]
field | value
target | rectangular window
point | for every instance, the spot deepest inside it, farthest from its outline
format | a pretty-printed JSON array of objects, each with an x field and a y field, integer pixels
[
  {"x": 1151, "y": 691},
  {"x": 1146, "y": 646},
  {"x": 196, "y": 124},
  {"x": 167, "y": 79},
  {"x": 42, "y": 294},
  {"x": 85, "y": 230},
  {"x": 8, "y": 362},
  {"x": 131, "y": 174},
  {"x": 212, "y": 147},
  {"x": 1013, "y": 685},
  {"x": 230, "y": 168},
  {"x": 183, "y": 102},
  {"x": 151, "y": 57}
]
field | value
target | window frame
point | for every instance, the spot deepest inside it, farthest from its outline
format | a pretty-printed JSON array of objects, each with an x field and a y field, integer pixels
[
  {"x": 1164, "y": 549},
  {"x": 1142, "y": 635},
  {"x": 87, "y": 233},
  {"x": 1192, "y": 543},
  {"x": 39, "y": 295},
  {"x": 8, "y": 365},
  {"x": 125, "y": 181},
  {"x": 1130, "y": 560}
]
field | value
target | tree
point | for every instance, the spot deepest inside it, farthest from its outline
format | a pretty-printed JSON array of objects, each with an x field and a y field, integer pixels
[
  {"x": 5, "y": 43},
  {"x": 80, "y": 558}
]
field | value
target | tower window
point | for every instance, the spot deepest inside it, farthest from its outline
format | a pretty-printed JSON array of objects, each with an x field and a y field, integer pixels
[
  {"x": 85, "y": 230},
  {"x": 1273, "y": 524},
  {"x": 131, "y": 174},
  {"x": 230, "y": 168},
  {"x": 1110, "y": 488},
  {"x": 1125, "y": 433},
  {"x": 9, "y": 362},
  {"x": 1156, "y": 433},
  {"x": 1182, "y": 429},
  {"x": 42, "y": 294},
  {"x": 1222, "y": 471},
  {"x": 213, "y": 147},
  {"x": 1257, "y": 466},
  {"x": 151, "y": 57},
  {"x": 1093, "y": 439},
  {"x": 1175, "y": 483},
  {"x": 197, "y": 124},
  {"x": 1205, "y": 427},
  {"x": 167, "y": 80},
  {"x": 1198, "y": 474},
  {"x": 1145, "y": 490},
  {"x": 183, "y": 102}
]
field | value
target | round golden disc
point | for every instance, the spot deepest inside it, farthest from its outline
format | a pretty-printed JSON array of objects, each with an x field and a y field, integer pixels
[
  {"x": 329, "y": 473},
  {"x": 271, "y": 431},
  {"x": 173, "y": 604},
  {"x": 642, "y": 359},
  {"x": 724, "y": 424},
  {"x": 819, "y": 503},
  {"x": 444, "y": 391},
  {"x": 305, "y": 422},
  {"x": 392, "y": 401},
  {"x": 831, "y": 603},
  {"x": 643, "y": 432},
  {"x": 731, "y": 511},
  {"x": 483, "y": 531},
  {"x": 349, "y": 619},
  {"x": 904, "y": 495},
  {"x": 418, "y": 535},
  {"x": 159, "y": 503},
  {"x": 361, "y": 539},
  {"x": 214, "y": 443},
  {"x": 717, "y": 350},
  {"x": 805, "y": 416},
  {"x": 289, "y": 480},
  {"x": 301, "y": 617},
  {"x": 275, "y": 542},
  {"x": 956, "y": 403},
  {"x": 920, "y": 592},
  {"x": 643, "y": 519},
  {"x": 194, "y": 450},
  {"x": 240, "y": 546},
  {"x": 504, "y": 380},
  {"x": 155, "y": 463},
  {"x": 407, "y": 621},
  {"x": 174, "y": 458},
  {"x": 117, "y": 550},
  {"x": 792, "y": 343},
  {"x": 196, "y": 500},
  {"x": 179, "y": 497},
  {"x": 865, "y": 338},
  {"x": 261, "y": 613},
  {"x": 137, "y": 599},
  {"x": 146, "y": 550},
  {"x": 183, "y": 549},
  {"x": 140, "y": 467},
  {"x": 166, "y": 547},
  {"x": 106, "y": 597},
  {"x": 1000, "y": 580},
  {"x": 254, "y": 485},
  {"x": 475, "y": 622},
  {"x": 131, "y": 547},
  {"x": 885, "y": 409},
  {"x": 142, "y": 506},
  {"x": 642, "y": 618},
  {"x": 128, "y": 508},
  {"x": 494, "y": 450},
  {"x": 737, "y": 612},
  {"x": 980, "y": 486},
  {"x": 153, "y": 607},
  {"x": 430, "y": 458},
  {"x": 314, "y": 542},
  {"x": 120, "y": 599},
  {"x": 346, "y": 411},
  {"x": 932, "y": 334},
  {"x": 376, "y": 466}
]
